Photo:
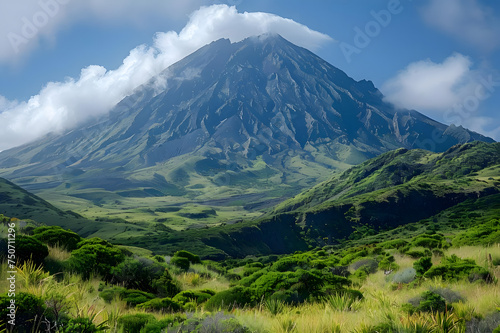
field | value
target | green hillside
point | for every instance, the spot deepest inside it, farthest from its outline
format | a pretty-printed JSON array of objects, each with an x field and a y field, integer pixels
[{"x": 457, "y": 188}]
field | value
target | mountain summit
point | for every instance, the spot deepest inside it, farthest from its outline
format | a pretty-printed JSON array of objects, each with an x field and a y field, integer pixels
[{"x": 228, "y": 119}]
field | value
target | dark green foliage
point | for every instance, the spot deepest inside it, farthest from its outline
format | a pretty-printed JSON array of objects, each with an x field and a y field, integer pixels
[
  {"x": 159, "y": 258},
  {"x": 367, "y": 264},
  {"x": 83, "y": 325},
  {"x": 134, "y": 323},
  {"x": 197, "y": 296},
  {"x": 28, "y": 247},
  {"x": 484, "y": 234},
  {"x": 138, "y": 274},
  {"x": 216, "y": 323},
  {"x": 287, "y": 264},
  {"x": 132, "y": 297},
  {"x": 94, "y": 241},
  {"x": 193, "y": 258},
  {"x": 453, "y": 268},
  {"x": 55, "y": 235},
  {"x": 429, "y": 301},
  {"x": 232, "y": 298},
  {"x": 97, "y": 258},
  {"x": 418, "y": 253},
  {"x": 161, "y": 305},
  {"x": 28, "y": 308},
  {"x": 166, "y": 285},
  {"x": 422, "y": 265},
  {"x": 427, "y": 242},
  {"x": 350, "y": 257},
  {"x": 247, "y": 271},
  {"x": 181, "y": 262},
  {"x": 159, "y": 326},
  {"x": 393, "y": 244}
]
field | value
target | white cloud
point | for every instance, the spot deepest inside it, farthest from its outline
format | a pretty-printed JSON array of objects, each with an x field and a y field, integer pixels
[
  {"x": 451, "y": 92},
  {"x": 429, "y": 86},
  {"x": 63, "y": 105},
  {"x": 25, "y": 24},
  {"x": 466, "y": 20}
]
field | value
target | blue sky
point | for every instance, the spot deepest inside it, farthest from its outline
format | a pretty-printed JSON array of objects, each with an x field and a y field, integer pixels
[{"x": 440, "y": 57}]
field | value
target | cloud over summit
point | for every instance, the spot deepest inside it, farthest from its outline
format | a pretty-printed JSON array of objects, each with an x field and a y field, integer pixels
[{"x": 62, "y": 105}]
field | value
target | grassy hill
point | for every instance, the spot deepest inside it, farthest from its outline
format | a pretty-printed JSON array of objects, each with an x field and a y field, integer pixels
[{"x": 423, "y": 190}]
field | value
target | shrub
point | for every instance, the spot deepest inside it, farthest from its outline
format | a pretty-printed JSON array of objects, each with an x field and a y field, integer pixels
[
  {"x": 427, "y": 242},
  {"x": 393, "y": 244},
  {"x": 453, "y": 268},
  {"x": 429, "y": 301},
  {"x": 28, "y": 247},
  {"x": 232, "y": 298},
  {"x": 405, "y": 276},
  {"x": 166, "y": 285},
  {"x": 449, "y": 295},
  {"x": 286, "y": 264},
  {"x": 159, "y": 258},
  {"x": 419, "y": 253},
  {"x": 422, "y": 265},
  {"x": 161, "y": 304},
  {"x": 55, "y": 235},
  {"x": 218, "y": 322},
  {"x": 95, "y": 258},
  {"x": 181, "y": 262},
  {"x": 369, "y": 265},
  {"x": 193, "y": 258},
  {"x": 28, "y": 308},
  {"x": 197, "y": 296},
  {"x": 134, "y": 323},
  {"x": 247, "y": 271},
  {"x": 83, "y": 325},
  {"x": 132, "y": 297},
  {"x": 137, "y": 274}
]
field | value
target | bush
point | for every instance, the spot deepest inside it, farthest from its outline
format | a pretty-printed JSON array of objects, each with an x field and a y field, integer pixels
[
  {"x": 82, "y": 325},
  {"x": 193, "y": 258},
  {"x": 429, "y": 301},
  {"x": 453, "y": 268},
  {"x": 28, "y": 308},
  {"x": 369, "y": 265},
  {"x": 393, "y": 244},
  {"x": 419, "y": 253},
  {"x": 134, "y": 323},
  {"x": 57, "y": 236},
  {"x": 405, "y": 276},
  {"x": 137, "y": 274},
  {"x": 166, "y": 285},
  {"x": 159, "y": 258},
  {"x": 218, "y": 322},
  {"x": 422, "y": 265},
  {"x": 232, "y": 298},
  {"x": 197, "y": 296},
  {"x": 132, "y": 297},
  {"x": 28, "y": 247},
  {"x": 161, "y": 305},
  {"x": 426, "y": 242},
  {"x": 181, "y": 262},
  {"x": 95, "y": 258}
]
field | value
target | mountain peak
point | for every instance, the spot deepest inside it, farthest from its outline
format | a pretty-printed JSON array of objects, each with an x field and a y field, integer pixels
[{"x": 260, "y": 99}]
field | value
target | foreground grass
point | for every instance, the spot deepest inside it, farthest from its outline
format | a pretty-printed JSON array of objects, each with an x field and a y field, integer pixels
[{"x": 382, "y": 301}]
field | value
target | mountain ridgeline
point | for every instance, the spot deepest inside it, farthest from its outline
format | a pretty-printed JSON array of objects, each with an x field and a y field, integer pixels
[{"x": 258, "y": 116}]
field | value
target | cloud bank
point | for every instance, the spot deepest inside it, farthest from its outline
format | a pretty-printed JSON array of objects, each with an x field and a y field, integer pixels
[
  {"x": 63, "y": 105},
  {"x": 429, "y": 86},
  {"x": 466, "y": 20},
  {"x": 451, "y": 92}
]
